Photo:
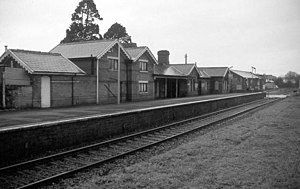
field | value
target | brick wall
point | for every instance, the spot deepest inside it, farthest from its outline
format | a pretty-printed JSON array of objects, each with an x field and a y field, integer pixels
[
  {"x": 24, "y": 97},
  {"x": 84, "y": 90},
  {"x": 137, "y": 75},
  {"x": 36, "y": 91},
  {"x": 193, "y": 90},
  {"x": 61, "y": 91},
  {"x": 23, "y": 142},
  {"x": 72, "y": 90}
]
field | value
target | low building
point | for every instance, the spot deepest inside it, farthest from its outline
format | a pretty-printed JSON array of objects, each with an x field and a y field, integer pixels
[
  {"x": 219, "y": 79},
  {"x": 175, "y": 80},
  {"x": 31, "y": 79},
  {"x": 243, "y": 81}
]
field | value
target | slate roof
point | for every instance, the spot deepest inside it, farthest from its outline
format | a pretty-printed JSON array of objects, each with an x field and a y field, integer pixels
[
  {"x": 136, "y": 52},
  {"x": 186, "y": 69},
  {"x": 245, "y": 74},
  {"x": 214, "y": 71},
  {"x": 167, "y": 70},
  {"x": 35, "y": 62},
  {"x": 85, "y": 49},
  {"x": 203, "y": 74}
]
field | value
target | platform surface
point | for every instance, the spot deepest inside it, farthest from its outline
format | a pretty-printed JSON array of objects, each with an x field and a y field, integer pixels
[{"x": 19, "y": 118}]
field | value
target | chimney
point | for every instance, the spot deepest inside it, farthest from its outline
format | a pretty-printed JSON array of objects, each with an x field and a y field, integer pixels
[
  {"x": 5, "y": 48},
  {"x": 185, "y": 58},
  {"x": 163, "y": 57}
]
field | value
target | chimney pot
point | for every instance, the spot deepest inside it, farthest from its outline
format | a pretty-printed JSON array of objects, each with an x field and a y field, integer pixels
[{"x": 5, "y": 48}]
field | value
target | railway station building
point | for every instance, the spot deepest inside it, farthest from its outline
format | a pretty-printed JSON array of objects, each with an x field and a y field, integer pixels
[
  {"x": 31, "y": 79},
  {"x": 219, "y": 79},
  {"x": 107, "y": 72},
  {"x": 243, "y": 81},
  {"x": 178, "y": 80},
  {"x": 122, "y": 72}
]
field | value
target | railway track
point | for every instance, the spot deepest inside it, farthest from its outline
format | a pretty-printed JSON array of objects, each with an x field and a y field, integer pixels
[{"x": 41, "y": 171}]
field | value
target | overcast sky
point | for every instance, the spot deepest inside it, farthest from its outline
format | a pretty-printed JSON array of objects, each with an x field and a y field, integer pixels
[{"x": 239, "y": 33}]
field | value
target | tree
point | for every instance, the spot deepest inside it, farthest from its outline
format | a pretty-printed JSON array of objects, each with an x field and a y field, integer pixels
[
  {"x": 279, "y": 82},
  {"x": 83, "y": 26},
  {"x": 292, "y": 78},
  {"x": 117, "y": 31}
]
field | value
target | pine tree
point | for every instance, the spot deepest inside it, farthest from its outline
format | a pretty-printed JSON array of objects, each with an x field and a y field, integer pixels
[
  {"x": 83, "y": 26},
  {"x": 117, "y": 31}
]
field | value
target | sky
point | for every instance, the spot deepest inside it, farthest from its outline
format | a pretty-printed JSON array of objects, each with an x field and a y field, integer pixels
[{"x": 240, "y": 34}]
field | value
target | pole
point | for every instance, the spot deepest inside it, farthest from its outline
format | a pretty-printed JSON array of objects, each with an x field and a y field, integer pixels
[
  {"x": 3, "y": 92},
  {"x": 176, "y": 88},
  {"x": 119, "y": 73},
  {"x": 97, "y": 82}
]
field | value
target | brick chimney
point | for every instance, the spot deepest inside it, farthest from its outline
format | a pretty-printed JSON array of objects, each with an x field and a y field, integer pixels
[{"x": 163, "y": 57}]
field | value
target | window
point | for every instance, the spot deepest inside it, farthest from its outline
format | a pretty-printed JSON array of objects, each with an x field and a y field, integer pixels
[
  {"x": 113, "y": 63},
  {"x": 143, "y": 66},
  {"x": 193, "y": 85},
  {"x": 216, "y": 85},
  {"x": 143, "y": 86}
]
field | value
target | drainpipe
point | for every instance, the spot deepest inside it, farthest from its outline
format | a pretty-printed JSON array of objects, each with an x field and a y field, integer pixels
[
  {"x": 97, "y": 82},
  {"x": 3, "y": 84},
  {"x": 119, "y": 74},
  {"x": 3, "y": 89}
]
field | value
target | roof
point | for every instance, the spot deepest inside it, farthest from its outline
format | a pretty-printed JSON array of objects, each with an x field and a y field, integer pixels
[
  {"x": 136, "y": 52},
  {"x": 35, "y": 62},
  {"x": 245, "y": 74},
  {"x": 214, "y": 71},
  {"x": 167, "y": 70},
  {"x": 203, "y": 74},
  {"x": 85, "y": 49},
  {"x": 186, "y": 69}
]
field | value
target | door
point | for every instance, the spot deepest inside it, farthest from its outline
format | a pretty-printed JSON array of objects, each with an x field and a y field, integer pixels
[{"x": 45, "y": 92}]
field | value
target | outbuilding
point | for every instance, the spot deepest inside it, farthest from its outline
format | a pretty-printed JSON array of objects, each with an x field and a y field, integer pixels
[{"x": 32, "y": 79}]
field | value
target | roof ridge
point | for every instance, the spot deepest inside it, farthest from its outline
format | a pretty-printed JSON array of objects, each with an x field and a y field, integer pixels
[
  {"x": 190, "y": 64},
  {"x": 91, "y": 41},
  {"x": 213, "y": 67},
  {"x": 141, "y": 47},
  {"x": 35, "y": 52}
]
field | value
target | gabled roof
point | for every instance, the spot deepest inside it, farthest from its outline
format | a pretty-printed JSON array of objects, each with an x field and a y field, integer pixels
[
  {"x": 203, "y": 74},
  {"x": 245, "y": 74},
  {"x": 186, "y": 69},
  {"x": 85, "y": 49},
  {"x": 167, "y": 70},
  {"x": 136, "y": 52},
  {"x": 214, "y": 71},
  {"x": 35, "y": 62}
]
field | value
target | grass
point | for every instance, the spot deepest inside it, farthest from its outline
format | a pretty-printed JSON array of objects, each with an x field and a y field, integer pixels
[{"x": 261, "y": 151}]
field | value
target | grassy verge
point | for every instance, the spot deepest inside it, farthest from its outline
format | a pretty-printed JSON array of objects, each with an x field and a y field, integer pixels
[{"x": 261, "y": 151}]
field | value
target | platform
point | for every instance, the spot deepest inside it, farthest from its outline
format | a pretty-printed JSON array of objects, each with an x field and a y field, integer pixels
[
  {"x": 25, "y": 118},
  {"x": 32, "y": 132}
]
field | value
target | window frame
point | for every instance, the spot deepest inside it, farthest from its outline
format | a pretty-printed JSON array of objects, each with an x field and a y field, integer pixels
[
  {"x": 143, "y": 65},
  {"x": 113, "y": 63},
  {"x": 143, "y": 86}
]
